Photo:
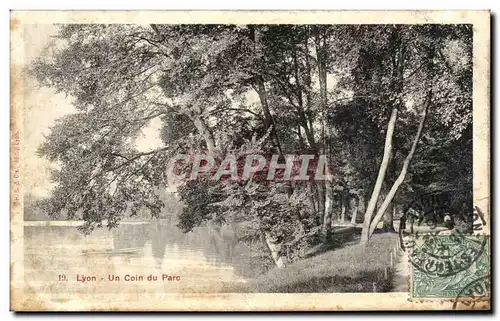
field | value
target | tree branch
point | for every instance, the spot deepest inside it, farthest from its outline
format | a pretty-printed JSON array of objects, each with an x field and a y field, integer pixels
[
  {"x": 157, "y": 31},
  {"x": 238, "y": 109}
]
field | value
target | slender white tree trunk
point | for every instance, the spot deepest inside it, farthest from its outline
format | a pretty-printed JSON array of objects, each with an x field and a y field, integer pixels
[
  {"x": 380, "y": 178},
  {"x": 390, "y": 196}
]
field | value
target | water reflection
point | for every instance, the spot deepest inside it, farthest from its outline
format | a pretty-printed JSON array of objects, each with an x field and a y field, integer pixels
[{"x": 207, "y": 259}]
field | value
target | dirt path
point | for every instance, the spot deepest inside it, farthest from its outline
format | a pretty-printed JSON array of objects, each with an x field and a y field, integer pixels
[
  {"x": 401, "y": 277},
  {"x": 400, "y": 280}
]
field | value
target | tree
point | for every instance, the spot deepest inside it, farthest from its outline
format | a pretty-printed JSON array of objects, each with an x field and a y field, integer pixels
[
  {"x": 122, "y": 77},
  {"x": 412, "y": 56},
  {"x": 355, "y": 93}
]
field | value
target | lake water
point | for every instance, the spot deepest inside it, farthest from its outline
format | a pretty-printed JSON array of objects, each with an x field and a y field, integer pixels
[{"x": 209, "y": 259}]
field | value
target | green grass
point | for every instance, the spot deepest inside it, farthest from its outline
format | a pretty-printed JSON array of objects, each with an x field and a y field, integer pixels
[{"x": 353, "y": 268}]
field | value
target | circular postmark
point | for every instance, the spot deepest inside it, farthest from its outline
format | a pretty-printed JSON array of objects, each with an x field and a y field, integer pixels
[
  {"x": 431, "y": 214},
  {"x": 438, "y": 241},
  {"x": 419, "y": 222},
  {"x": 475, "y": 292},
  {"x": 446, "y": 255}
]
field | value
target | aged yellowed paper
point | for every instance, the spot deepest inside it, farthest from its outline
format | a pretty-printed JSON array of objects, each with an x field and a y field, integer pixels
[{"x": 250, "y": 160}]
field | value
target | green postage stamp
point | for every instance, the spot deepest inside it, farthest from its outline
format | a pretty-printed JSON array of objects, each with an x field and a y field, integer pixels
[{"x": 454, "y": 266}]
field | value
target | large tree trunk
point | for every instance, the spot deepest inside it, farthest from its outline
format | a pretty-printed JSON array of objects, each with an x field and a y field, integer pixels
[
  {"x": 302, "y": 117},
  {"x": 327, "y": 218},
  {"x": 345, "y": 199},
  {"x": 362, "y": 203},
  {"x": 404, "y": 170},
  {"x": 308, "y": 86},
  {"x": 261, "y": 91},
  {"x": 320, "y": 188},
  {"x": 388, "y": 220},
  {"x": 258, "y": 83},
  {"x": 342, "y": 212},
  {"x": 355, "y": 209},
  {"x": 275, "y": 249},
  {"x": 321, "y": 55},
  {"x": 259, "y": 86},
  {"x": 365, "y": 234}
]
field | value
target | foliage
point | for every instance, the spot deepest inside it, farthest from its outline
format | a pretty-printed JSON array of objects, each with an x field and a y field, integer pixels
[{"x": 223, "y": 89}]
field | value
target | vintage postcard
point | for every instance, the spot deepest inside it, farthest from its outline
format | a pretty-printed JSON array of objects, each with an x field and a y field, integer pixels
[{"x": 250, "y": 160}]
